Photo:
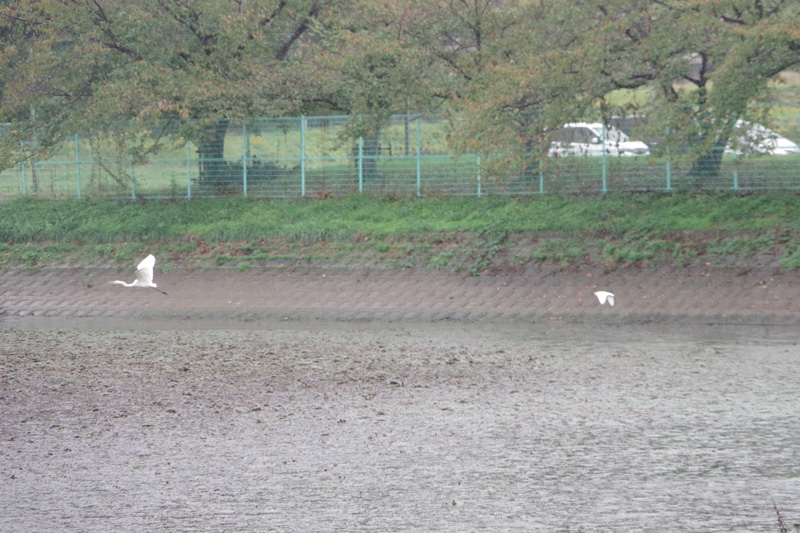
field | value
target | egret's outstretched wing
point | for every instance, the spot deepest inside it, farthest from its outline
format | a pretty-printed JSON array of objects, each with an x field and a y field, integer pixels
[
  {"x": 605, "y": 296},
  {"x": 144, "y": 272},
  {"x": 147, "y": 262}
]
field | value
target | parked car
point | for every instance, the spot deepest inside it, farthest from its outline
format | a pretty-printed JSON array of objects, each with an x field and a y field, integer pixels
[
  {"x": 627, "y": 124},
  {"x": 755, "y": 138},
  {"x": 584, "y": 138},
  {"x": 748, "y": 138}
]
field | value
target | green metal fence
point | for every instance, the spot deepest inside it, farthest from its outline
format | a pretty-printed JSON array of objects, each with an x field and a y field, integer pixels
[{"x": 310, "y": 157}]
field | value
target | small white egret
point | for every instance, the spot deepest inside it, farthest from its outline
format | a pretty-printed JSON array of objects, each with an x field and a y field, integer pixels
[
  {"x": 144, "y": 275},
  {"x": 604, "y": 296}
]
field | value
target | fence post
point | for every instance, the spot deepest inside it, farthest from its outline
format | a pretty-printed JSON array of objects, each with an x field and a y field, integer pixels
[
  {"x": 24, "y": 185},
  {"x": 669, "y": 171},
  {"x": 541, "y": 178},
  {"x": 419, "y": 159},
  {"x": 244, "y": 159},
  {"x": 360, "y": 164},
  {"x": 78, "y": 163},
  {"x": 303, "y": 156},
  {"x": 479, "y": 176},
  {"x": 188, "y": 173},
  {"x": 133, "y": 177},
  {"x": 605, "y": 189},
  {"x": 735, "y": 173}
]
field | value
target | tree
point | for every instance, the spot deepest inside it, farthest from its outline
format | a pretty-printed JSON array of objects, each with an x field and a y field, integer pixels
[
  {"x": 507, "y": 72},
  {"x": 699, "y": 65},
  {"x": 445, "y": 49},
  {"x": 533, "y": 79},
  {"x": 364, "y": 67},
  {"x": 723, "y": 58},
  {"x": 92, "y": 64},
  {"x": 12, "y": 28},
  {"x": 396, "y": 56}
]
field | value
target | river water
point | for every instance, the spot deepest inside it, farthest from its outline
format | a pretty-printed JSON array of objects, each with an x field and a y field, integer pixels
[{"x": 342, "y": 426}]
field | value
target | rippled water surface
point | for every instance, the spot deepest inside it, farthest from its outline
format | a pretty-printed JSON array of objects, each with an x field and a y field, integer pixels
[{"x": 390, "y": 427}]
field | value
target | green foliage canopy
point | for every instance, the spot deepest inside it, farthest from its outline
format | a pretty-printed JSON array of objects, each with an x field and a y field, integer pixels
[
  {"x": 76, "y": 65},
  {"x": 508, "y": 71}
]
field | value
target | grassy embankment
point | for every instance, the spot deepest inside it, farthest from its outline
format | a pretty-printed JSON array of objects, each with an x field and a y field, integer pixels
[{"x": 458, "y": 235}]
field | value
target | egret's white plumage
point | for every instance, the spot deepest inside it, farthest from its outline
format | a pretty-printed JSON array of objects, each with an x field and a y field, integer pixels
[
  {"x": 605, "y": 296},
  {"x": 144, "y": 275}
]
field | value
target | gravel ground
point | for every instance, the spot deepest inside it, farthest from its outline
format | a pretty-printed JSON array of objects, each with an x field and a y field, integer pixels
[{"x": 314, "y": 425}]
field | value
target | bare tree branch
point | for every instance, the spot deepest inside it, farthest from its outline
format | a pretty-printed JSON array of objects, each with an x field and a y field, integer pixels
[{"x": 301, "y": 28}]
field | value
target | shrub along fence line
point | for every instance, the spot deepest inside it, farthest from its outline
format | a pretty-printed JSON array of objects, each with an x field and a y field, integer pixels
[{"x": 309, "y": 157}]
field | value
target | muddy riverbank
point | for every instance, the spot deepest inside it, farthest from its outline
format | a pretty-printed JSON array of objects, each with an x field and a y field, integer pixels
[{"x": 312, "y": 425}]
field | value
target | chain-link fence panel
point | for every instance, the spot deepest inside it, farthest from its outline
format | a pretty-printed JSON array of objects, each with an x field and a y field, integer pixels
[{"x": 410, "y": 155}]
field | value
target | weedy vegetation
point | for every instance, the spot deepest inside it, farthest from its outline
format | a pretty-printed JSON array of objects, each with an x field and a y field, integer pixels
[{"x": 452, "y": 234}]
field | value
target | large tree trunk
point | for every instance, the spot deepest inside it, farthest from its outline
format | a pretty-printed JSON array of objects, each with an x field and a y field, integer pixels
[
  {"x": 372, "y": 148},
  {"x": 214, "y": 171},
  {"x": 708, "y": 165},
  {"x": 370, "y": 151}
]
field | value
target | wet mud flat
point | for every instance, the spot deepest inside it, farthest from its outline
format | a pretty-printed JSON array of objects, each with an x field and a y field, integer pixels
[{"x": 349, "y": 426}]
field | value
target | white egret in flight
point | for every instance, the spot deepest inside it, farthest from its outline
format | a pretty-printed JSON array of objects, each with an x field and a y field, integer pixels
[
  {"x": 604, "y": 296},
  {"x": 144, "y": 275}
]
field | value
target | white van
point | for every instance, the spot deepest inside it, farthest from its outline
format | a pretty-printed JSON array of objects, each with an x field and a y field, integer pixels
[
  {"x": 755, "y": 138},
  {"x": 584, "y": 138}
]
